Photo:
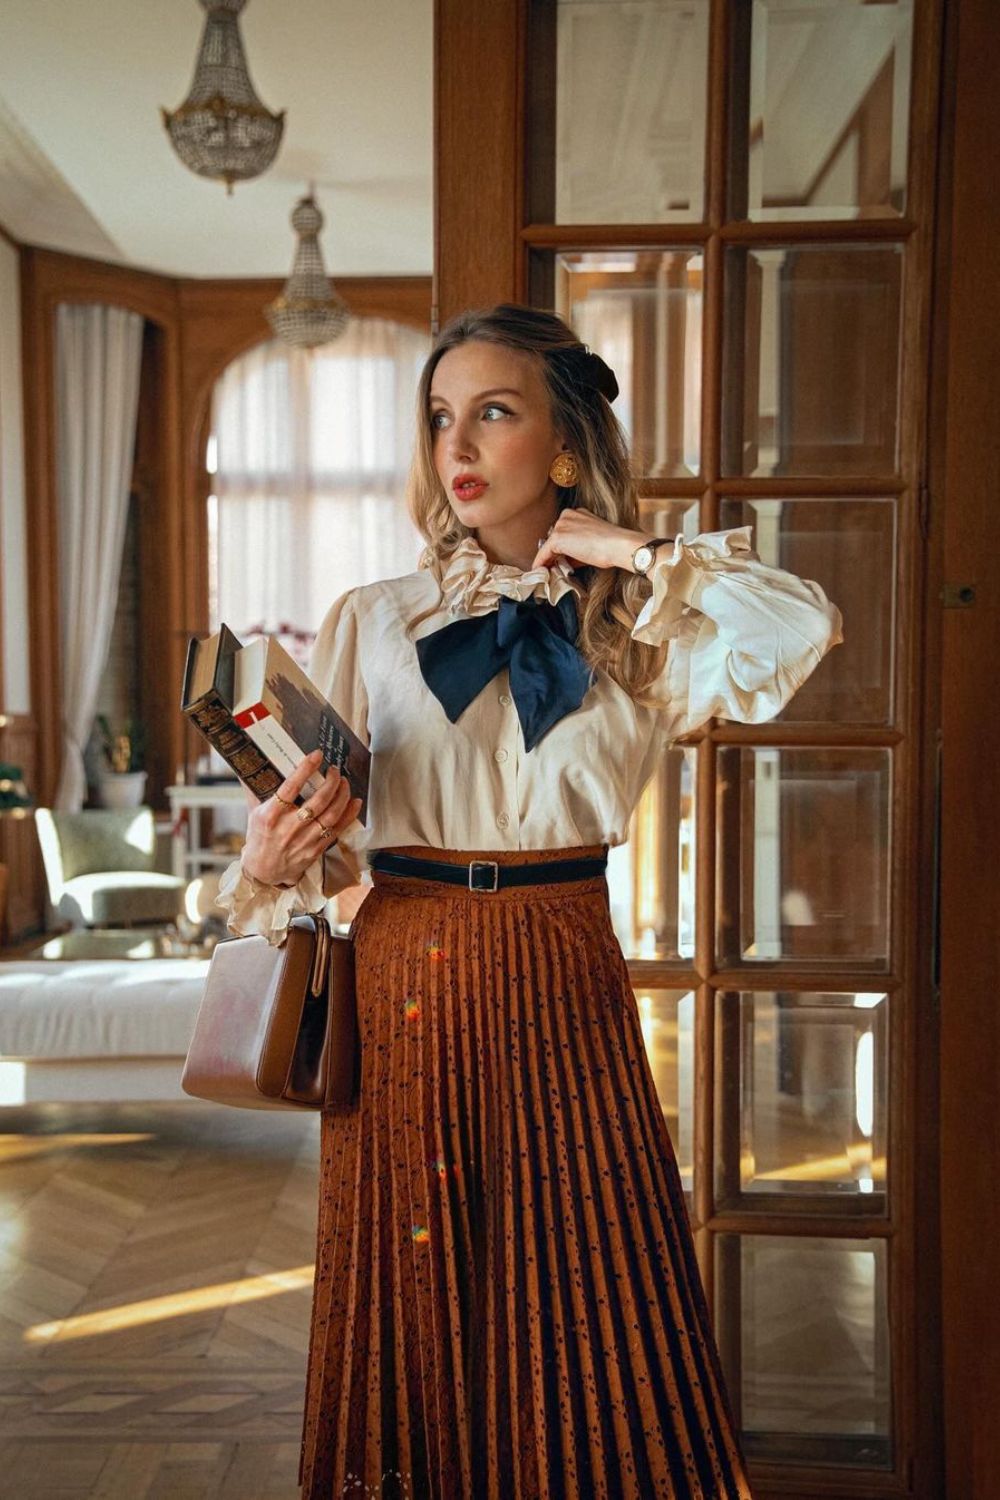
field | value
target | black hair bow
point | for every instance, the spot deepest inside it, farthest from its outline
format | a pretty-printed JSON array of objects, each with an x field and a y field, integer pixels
[{"x": 549, "y": 676}]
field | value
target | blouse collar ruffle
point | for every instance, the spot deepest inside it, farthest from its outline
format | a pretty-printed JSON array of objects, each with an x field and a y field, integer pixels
[{"x": 470, "y": 584}]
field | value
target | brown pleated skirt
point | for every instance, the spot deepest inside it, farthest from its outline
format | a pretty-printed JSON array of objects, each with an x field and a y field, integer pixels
[{"x": 507, "y": 1302}]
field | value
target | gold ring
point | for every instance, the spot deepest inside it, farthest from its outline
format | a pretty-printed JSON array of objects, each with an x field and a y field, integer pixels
[
  {"x": 284, "y": 800},
  {"x": 305, "y": 815},
  {"x": 331, "y": 833}
]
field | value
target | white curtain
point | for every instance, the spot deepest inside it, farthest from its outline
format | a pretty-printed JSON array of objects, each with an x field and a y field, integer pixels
[
  {"x": 98, "y": 359},
  {"x": 311, "y": 452}
]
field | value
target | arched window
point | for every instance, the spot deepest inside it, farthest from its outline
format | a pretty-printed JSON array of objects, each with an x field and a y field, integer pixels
[{"x": 309, "y": 452}]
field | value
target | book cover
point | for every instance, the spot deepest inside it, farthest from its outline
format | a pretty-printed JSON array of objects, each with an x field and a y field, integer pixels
[
  {"x": 286, "y": 716},
  {"x": 207, "y": 698},
  {"x": 263, "y": 714}
]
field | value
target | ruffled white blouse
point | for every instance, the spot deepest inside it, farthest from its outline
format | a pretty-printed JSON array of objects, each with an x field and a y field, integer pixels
[{"x": 743, "y": 638}]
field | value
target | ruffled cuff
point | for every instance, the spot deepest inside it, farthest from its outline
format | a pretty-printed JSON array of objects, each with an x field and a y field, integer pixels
[
  {"x": 254, "y": 907},
  {"x": 343, "y": 863},
  {"x": 753, "y": 635},
  {"x": 678, "y": 578}
]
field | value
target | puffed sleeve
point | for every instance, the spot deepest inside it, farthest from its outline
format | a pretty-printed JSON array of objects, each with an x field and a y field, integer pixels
[
  {"x": 743, "y": 636},
  {"x": 253, "y": 907}
]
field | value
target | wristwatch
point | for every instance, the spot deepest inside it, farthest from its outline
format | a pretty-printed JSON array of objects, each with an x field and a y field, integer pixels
[{"x": 642, "y": 557}]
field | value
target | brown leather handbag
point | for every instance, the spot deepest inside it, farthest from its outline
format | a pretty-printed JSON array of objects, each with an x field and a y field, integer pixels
[{"x": 277, "y": 1027}]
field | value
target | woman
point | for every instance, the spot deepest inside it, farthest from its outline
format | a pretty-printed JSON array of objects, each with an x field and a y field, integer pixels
[{"x": 507, "y": 1300}]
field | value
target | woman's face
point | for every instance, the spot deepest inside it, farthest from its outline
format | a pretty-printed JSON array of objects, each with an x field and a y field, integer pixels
[{"x": 492, "y": 434}]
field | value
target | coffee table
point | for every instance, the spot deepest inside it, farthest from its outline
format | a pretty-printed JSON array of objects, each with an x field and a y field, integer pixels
[{"x": 119, "y": 942}]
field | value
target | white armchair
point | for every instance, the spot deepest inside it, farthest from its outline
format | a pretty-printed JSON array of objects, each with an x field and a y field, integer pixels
[{"x": 99, "y": 868}]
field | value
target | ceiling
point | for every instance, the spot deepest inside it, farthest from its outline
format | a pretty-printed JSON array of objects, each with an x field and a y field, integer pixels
[{"x": 86, "y": 165}]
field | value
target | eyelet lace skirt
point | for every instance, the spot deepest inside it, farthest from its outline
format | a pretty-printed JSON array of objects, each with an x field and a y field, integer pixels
[{"x": 507, "y": 1302}]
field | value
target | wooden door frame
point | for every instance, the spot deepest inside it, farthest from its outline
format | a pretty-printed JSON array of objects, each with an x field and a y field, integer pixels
[
  {"x": 962, "y": 702},
  {"x": 951, "y": 1121}
]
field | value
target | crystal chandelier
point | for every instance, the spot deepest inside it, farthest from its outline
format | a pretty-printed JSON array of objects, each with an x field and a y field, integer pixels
[
  {"x": 309, "y": 311},
  {"x": 222, "y": 129}
]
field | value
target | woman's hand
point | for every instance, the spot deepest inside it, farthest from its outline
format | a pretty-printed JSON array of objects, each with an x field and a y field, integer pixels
[
  {"x": 281, "y": 844},
  {"x": 587, "y": 540}
]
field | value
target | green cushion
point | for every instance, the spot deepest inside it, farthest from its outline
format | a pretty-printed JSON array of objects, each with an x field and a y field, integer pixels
[{"x": 105, "y": 839}]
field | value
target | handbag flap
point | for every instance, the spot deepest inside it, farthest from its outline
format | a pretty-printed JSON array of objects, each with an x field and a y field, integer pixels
[{"x": 245, "y": 1035}]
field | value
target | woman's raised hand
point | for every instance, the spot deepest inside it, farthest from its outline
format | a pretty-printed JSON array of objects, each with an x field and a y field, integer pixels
[
  {"x": 586, "y": 540},
  {"x": 284, "y": 840}
]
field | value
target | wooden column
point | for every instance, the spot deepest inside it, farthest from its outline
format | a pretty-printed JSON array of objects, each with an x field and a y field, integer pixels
[{"x": 478, "y": 188}]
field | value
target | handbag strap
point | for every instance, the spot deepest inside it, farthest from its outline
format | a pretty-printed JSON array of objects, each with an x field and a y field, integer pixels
[{"x": 321, "y": 958}]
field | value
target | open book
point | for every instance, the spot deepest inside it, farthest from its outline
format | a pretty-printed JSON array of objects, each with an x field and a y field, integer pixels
[{"x": 259, "y": 710}]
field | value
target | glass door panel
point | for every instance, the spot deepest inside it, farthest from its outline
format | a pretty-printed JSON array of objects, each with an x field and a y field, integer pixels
[
  {"x": 642, "y": 311},
  {"x": 800, "y": 1097},
  {"x": 825, "y": 133},
  {"x": 667, "y": 1020},
  {"x": 804, "y": 1338},
  {"x": 803, "y": 851},
  {"x": 813, "y": 338},
  {"x": 626, "y": 107},
  {"x": 651, "y": 876},
  {"x": 848, "y": 545}
]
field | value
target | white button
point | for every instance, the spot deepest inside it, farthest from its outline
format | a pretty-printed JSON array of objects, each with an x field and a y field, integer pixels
[
  {"x": 503, "y": 819},
  {"x": 500, "y": 755},
  {"x": 504, "y": 697}
]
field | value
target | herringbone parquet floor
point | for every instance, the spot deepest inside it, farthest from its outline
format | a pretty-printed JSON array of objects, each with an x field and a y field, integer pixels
[{"x": 155, "y": 1286}]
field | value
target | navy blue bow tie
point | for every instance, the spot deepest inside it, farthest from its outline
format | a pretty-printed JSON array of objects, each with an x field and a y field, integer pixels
[{"x": 533, "y": 638}]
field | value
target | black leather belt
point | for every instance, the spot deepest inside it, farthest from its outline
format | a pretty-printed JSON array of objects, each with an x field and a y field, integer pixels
[{"x": 487, "y": 874}]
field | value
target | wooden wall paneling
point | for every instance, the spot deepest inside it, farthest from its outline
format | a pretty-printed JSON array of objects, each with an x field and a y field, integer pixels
[
  {"x": 154, "y": 488},
  {"x": 19, "y": 849}
]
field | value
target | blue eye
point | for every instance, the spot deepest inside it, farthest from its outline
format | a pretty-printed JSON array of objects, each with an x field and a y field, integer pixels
[{"x": 439, "y": 419}]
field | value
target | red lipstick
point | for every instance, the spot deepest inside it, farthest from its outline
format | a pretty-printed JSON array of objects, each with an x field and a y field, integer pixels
[{"x": 468, "y": 486}]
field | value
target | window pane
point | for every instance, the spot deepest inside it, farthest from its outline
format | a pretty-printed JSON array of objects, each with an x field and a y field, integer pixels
[
  {"x": 804, "y": 1336},
  {"x": 802, "y": 864},
  {"x": 800, "y": 1095},
  {"x": 812, "y": 351},
  {"x": 826, "y": 132},
  {"x": 848, "y": 546},
  {"x": 667, "y": 1020},
  {"x": 641, "y": 311},
  {"x": 309, "y": 451},
  {"x": 630, "y": 92}
]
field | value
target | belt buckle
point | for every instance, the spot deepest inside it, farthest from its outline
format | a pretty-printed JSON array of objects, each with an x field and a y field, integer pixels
[{"x": 485, "y": 864}]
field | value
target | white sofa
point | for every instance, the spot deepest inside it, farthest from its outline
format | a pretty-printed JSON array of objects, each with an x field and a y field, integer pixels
[{"x": 108, "y": 1030}]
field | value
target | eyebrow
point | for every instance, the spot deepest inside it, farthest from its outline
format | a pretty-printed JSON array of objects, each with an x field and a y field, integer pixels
[{"x": 500, "y": 390}]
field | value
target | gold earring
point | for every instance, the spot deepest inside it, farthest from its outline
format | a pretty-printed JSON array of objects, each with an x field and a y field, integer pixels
[{"x": 564, "y": 471}]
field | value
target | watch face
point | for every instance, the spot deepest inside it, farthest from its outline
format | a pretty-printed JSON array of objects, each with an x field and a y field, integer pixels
[{"x": 643, "y": 557}]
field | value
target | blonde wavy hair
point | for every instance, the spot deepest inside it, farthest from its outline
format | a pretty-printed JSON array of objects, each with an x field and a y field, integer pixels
[{"x": 605, "y": 486}]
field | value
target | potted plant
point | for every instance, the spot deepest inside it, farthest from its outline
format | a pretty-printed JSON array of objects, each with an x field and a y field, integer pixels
[{"x": 122, "y": 781}]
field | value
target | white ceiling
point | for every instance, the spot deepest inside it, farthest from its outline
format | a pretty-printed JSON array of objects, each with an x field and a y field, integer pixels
[{"x": 86, "y": 165}]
